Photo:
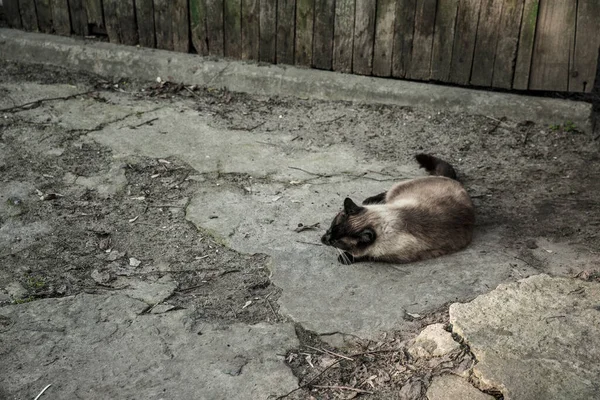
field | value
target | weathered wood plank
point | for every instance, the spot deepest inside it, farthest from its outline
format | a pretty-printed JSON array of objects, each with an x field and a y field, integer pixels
[
  {"x": 79, "y": 22},
  {"x": 127, "y": 23},
  {"x": 250, "y": 29},
  {"x": 364, "y": 34},
  {"x": 163, "y": 24},
  {"x": 420, "y": 63},
  {"x": 487, "y": 41},
  {"x": 587, "y": 46},
  {"x": 12, "y": 13},
  {"x": 343, "y": 35},
  {"x": 93, "y": 10},
  {"x": 44, "y": 15},
  {"x": 464, "y": 41},
  {"x": 286, "y": 28},
  {"x": 198, "y": 26},
  {"x": 384, "y": 37},
  {"x": 526, "y": 41},
  {"x": 554, "y": 43},
  {"x": 443, "y": 37},
  {"x": 28, "y": 15},
  {"x": 508, "y": 40},
  {"x": 181, "y": 26},
  {"x": 404, "y": 27},
  {"x": 60, "y": 17},
  {"x": 214, "y": 27},
  {"x": 268, "y": 30},
  {"x": 145, "y": 22},
  {"x": 305, "y": 15},
  {"x": 233, "y": 28},
  {"x": 323, "y": 34}
]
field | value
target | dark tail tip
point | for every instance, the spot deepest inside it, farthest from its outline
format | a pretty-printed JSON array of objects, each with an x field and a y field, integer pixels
[{"x": 435, "y": 166}]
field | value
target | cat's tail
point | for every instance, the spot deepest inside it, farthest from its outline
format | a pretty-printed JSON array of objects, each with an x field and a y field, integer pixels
[{"x": 435, "y": 166}]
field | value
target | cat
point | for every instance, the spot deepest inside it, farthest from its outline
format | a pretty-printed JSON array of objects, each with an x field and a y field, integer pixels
[{"x": 415, "y": 220}]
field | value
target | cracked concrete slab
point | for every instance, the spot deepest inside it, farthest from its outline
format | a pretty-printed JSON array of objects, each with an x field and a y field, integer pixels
[
  {"x": 310, "y": 192},
  {"x": 90, "y": 346},
  {"x": 535, "y": 338},
  {"x": 246, "y": 171}
]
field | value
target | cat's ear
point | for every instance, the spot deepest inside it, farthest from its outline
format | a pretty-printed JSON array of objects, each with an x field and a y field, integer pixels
[{"x": 350, "y": 208}]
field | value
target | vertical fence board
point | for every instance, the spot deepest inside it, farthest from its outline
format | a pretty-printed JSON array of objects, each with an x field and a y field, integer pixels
[
  {"x": 44, "y": 15},
  {"x": 384, "y": 37},
  {"x": 323, "y": 39},
  {"x": 181, "y": 26},
  {"x": 111, "y": 20},
  {"x": 28, "y": 15},
  {"x": 93, "y": 10},
  {"x": 79, "y": 22},
  {"x": 343, "y": 35},
  {"x": 364, "y": 34},
  {"x": 420, "y": 62},
  {"x": 526, "y": 41},
  {"x": 250, "y": 29},
  {"x": 587, "y": 46},
  {"x": 60, "y": 17},
  {"x": 127, "y": 23},
  {"x": 198, "y": 26},
  {"x": 145, "y": 22},
  {"x": 555, "y": 37},
  {"x": 286, "y": 27},
  {"x": 233, "y": 28},
  {"x": 464, "y": 41},
  {"x": 268, "y": 31},
  {"x": 163, "y": 24},
  {"x": 443, "y": 37},
  {"x": 487, "y": 41},
  {"x": 305, "y": 15},
  {"x": 214, "y": 27},
  {"x": 508, "y": 40},
  {"x": 12, "y": 13},
  {"x": 404, "y": 27}
]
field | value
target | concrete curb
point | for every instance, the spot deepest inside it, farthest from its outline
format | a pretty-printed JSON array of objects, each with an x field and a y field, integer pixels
[{"x": 111, "y": 60}]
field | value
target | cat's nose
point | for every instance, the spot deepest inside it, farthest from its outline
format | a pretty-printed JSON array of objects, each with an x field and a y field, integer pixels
[{"x": 326, "y": 239}]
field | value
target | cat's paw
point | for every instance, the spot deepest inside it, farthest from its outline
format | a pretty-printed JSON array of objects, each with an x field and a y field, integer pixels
[{"x": 346, "y": 258}]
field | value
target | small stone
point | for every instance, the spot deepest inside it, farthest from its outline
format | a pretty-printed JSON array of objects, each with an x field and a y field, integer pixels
[
  {"x": 162, "y": 308},
  {"x": 453, "y": 387},
  {"x": 531, "y": 244},
  {"x": 114, "y": 255},
  {"x": 433, "y": 341},
  {"x": 101, "y": 277},
  {"x": 134, "y": 262},
  {"x": 16, "y": 291}
]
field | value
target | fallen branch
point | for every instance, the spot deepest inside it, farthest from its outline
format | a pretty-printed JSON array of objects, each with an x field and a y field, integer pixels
[
  {"x": 143, "y": 123},
  {"x": 40, "y": 101},
  {"x": 343, "y": 388}
]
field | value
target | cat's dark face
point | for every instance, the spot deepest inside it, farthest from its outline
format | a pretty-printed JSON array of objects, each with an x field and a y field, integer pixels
[{"x": 350, "y": 230}]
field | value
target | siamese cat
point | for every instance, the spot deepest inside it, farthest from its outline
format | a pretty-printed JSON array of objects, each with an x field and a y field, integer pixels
[{"x": 415, "y": 220}]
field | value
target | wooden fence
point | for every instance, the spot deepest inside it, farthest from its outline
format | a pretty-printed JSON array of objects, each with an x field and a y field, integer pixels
[{"x": 511, "y": 44}]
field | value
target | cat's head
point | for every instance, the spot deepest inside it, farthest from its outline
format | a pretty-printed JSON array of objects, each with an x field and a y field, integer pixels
[{"x": 351, "y": 229}]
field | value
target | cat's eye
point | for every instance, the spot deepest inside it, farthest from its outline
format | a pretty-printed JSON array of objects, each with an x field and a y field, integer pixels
[{"x": 367, "y": 236}]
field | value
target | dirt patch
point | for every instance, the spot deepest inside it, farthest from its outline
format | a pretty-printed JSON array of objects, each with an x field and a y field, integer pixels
[{"x": 106, "y": 224}]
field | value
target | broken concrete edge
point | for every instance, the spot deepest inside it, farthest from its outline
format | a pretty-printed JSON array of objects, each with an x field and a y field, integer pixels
[{"x": 110, "y": 60}]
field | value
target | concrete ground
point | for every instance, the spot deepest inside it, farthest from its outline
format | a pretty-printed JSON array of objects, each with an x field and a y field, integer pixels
[{"x": 150, "y": 248}]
